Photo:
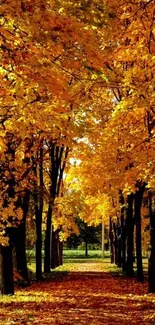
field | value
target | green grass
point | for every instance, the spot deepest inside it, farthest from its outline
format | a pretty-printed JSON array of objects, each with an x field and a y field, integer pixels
[
  {"x": 76, "y": 253},
  {"x": 71, "y": 253}
]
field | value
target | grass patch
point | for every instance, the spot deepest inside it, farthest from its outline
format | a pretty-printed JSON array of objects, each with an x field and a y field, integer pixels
[
  {"x": 76, "y": 253},
  {"x": 57, "y": 274},
  {"x": 114, "y": 270}
]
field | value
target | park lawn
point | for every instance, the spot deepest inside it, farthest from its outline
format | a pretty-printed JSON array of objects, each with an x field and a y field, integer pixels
[
  {"x": 72, "y": 256},
  {"x": 68, "y": 253},
  {"x": 84, "y": 291}
]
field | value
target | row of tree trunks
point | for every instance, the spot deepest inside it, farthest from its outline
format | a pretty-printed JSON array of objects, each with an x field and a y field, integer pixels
[
  {"x": 122, "y": 234},
  {"x": 117, "y": 237},
  {"x": 17, "y": 235},
  {"x": 53, "y": 248}
]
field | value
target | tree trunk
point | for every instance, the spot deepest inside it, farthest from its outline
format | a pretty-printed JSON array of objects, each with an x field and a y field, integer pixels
[
  {"x": 19, "y": 239},
  {"x": 6, "y": 258},
  {"x": 19, "y": 234},
  {"x": 123, "y": 236},
  {"x": 57, "y": 166},
  {"x": 38, "y": 201},
  {"x": 151, "y": 262},
  {"x": 123, "y": 233},
  {"x": 60, "y": 252},
  {"x": 115, "y": 243},
  {"x": 111, "y": 237},
  {"x": 55, "y": 250},
  {"x": 54, "y": 164},
  {"x": 56, "y": 178},
  {"x": 138, "y": 204},
  {"x": 6, "y": 271},
  {"x": 130, "y": 228},
  {"x": 39, "y": 248},
  {"x": 20, "y": 248},
  {"x": 86, "y": 248},
  {"x": 119, "y": 241},
  {"x": 47, "y": 243}
]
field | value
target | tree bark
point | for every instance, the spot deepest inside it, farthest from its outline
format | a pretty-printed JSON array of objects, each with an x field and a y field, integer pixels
[
  {"x": 20, "y": 248},
  {"x": 55, "y": 250},
  {"x": 6, "y": 258},
  {"x": 47, "y": 243},
  {"x": 138, "y": 204},
  {"x": 130, "y": 228},
  {"x": 111, "y": 237},
  {"x": 53, "y": 187},
  {"x": 19, "y": 240},
  {"x": 57, "y": 166},
  {"x": 19, "y": 234},
  {"x": 86, "y": 248},
  {"x": 119, "y": 244},
  {"x": 6, "y": 270},
  {"x": 60, "y": 252},
  {"x": 115, "y": 243},
  {"x": 38, "y": 201},
  {"x": 123, "y": 234}
]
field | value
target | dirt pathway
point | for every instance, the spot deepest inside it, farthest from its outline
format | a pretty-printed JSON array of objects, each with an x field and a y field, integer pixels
[{"x": 84, "y": 296}]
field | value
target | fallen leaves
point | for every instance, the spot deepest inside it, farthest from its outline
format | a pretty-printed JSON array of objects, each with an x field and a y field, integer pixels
[{"x": 88, "y": 294}]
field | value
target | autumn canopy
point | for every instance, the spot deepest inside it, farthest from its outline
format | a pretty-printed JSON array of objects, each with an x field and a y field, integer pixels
[{"x": 77, "y": 128}]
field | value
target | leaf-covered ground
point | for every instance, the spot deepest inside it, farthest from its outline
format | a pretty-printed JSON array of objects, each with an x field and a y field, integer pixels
[{"x": 89, "y": 294}]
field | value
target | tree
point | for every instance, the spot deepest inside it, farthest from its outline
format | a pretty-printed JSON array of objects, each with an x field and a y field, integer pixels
[
  {"x": 88, "y": 234},
  {"x": 24, "y": 91}
]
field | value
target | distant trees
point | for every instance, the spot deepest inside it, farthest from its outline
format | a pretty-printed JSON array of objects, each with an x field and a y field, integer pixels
[{"x": 87, "y": 235}]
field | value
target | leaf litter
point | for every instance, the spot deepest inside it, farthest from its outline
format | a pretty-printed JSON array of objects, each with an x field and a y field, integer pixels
[{"x": 88, "y": 294}]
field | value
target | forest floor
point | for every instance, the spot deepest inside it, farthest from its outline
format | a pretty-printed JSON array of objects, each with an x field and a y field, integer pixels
[{"x": 91, "y": 292}]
